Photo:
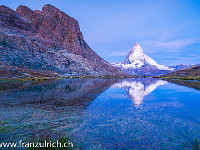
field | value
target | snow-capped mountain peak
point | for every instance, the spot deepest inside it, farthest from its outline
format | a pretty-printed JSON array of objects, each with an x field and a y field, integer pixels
[{"x": 136, "y": 59}]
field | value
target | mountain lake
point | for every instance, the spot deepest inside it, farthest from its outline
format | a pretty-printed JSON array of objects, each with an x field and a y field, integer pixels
[{"x": 97, "y": 113}]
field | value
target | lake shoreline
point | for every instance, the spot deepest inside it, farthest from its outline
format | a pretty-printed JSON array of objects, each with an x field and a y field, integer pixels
[
  {"x": 109, "y": 77},
  {"x": 53, "y": 78},
  {"x": 84, "y": 111},
  {"x": 179, "y": 78}
]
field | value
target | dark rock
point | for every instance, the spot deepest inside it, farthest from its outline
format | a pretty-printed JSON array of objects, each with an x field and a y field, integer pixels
[
  {"x": 9, "y": 18},
  {"x": 47, "y": 40}
]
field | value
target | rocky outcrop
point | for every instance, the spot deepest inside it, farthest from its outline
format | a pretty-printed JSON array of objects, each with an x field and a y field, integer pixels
[{"x": 47, "y": 41}]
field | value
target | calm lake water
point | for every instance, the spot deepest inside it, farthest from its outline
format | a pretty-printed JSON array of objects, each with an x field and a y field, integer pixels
[{"x": 140, "y": 113}]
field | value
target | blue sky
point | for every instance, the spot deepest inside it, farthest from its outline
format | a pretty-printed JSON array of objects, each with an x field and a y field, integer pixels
[{"x": 167, "y": 30}]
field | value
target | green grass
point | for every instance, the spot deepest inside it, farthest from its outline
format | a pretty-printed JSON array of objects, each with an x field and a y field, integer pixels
[{"x": 51, "y": 78}]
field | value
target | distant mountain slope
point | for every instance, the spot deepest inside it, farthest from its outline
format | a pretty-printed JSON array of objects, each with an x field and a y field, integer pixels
[
  {"x": 46, "y": 42},
  {"x": 138, "y": 63},
  {"x": 182, "y": 66},
  {"x": 189, "y": 72}
]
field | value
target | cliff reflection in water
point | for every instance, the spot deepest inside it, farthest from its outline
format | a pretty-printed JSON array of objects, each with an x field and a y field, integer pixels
[
  {"x": 46, "y": 107},
  {"x": 137, "y": 88},
  {"x": 53, "y": 93}
]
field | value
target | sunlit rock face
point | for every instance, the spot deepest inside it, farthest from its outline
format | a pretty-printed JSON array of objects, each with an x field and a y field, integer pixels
[
  {"x": 138, "y": 88},
  {"x": 46, "y": 42}
]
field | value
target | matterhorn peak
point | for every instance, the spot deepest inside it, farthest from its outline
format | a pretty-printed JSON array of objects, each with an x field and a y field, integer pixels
[
  {"x": 136, "y": 59},
  {"x": 135, "y": 48},
  {"x": 136, "y": 44},
  {"x": 134, "y": 55}
]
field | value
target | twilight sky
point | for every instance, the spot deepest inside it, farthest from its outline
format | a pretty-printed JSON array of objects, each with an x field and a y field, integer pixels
[{"x": 167, "y": 30}]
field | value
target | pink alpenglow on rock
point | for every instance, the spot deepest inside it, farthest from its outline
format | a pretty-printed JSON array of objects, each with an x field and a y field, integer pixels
[{"x": 47, "y": 42}]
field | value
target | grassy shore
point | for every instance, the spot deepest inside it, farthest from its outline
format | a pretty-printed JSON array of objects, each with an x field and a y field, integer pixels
[
  {"x": 179, "y": 77},
  {"x": 53, "y": 78},
  {"x": 108, "y": 77}
]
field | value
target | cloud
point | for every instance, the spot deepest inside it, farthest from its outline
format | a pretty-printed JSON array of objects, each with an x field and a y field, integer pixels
[
  {"x": 177, "y": 44},
  {"x": 124, "y": 53}
]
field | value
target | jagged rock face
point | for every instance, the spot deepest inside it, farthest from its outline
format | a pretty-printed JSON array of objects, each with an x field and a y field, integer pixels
[
  {"x": 138, "y": 63},
  {"x": 47, "y": 40},
  {"x": 53, "y": 24},
  {"x": 9, "y": 18},
  {"x": 33, "y": 18}
]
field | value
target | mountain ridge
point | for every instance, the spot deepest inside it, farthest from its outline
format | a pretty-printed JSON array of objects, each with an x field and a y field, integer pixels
[
  {"x": 183, "y": 66},
  {"x": 47, "y": 41},
  {"x": 189, "y": 72},
  {"x": 138, "y": 63}
]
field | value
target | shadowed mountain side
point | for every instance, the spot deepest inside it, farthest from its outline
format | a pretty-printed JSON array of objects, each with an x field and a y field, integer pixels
[
  {"x": 191, "y": 84},
  {"x": 55, "y": 93}
]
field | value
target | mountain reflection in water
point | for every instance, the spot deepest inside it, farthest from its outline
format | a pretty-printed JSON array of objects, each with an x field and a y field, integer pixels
[
  {"x": 53, "y": 94},
  {"x": 137, "y": 88},
  {"x": 46, "y": 107},
  {"x": 95, "y": 116}
]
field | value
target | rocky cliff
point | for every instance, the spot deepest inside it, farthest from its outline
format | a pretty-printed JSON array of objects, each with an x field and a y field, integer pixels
[{"x": 47, "y": 43}]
